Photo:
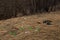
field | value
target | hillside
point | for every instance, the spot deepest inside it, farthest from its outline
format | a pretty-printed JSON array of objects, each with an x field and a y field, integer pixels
[{"x": 31, "y": 27}]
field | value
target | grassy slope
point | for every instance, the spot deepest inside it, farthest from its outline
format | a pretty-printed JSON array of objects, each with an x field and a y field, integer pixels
[{"x": 28, "y": 28}]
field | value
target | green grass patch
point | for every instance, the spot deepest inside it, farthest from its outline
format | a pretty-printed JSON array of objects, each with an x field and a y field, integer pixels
[
  {"x": 14, "y": 33},
  {"x": 30, "y": 28},
  {"x": 21, "y": 28}
]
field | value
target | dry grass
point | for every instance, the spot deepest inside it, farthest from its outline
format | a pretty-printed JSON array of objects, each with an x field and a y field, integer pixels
[{"x": 31, "y": 27}]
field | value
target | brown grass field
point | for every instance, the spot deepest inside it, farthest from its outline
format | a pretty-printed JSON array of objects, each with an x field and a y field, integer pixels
[{"x": 31, "y": 27}]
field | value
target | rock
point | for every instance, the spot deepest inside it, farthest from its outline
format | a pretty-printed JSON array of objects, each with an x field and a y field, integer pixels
[{"x": 48, "y": 22}]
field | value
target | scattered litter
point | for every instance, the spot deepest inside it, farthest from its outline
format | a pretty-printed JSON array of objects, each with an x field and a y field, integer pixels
[
  {"x": 37, "y": 29},
  {"x": 26, "y": 32}
]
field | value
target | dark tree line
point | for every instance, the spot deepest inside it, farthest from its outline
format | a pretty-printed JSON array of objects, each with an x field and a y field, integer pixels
[{"x": 14, "y": 8}]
